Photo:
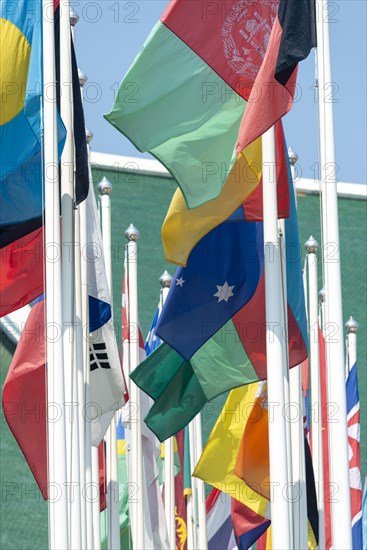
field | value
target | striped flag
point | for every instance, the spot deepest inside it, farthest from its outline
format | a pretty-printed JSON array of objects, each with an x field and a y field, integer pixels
[
  {"x": 354, "y": 426},
  {"x": 219, "y": 521}
]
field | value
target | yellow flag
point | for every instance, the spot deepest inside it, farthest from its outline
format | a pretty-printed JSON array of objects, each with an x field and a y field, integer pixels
[
  {"x": 218, "y": 463},
  {"x": 183, "y": 227}
]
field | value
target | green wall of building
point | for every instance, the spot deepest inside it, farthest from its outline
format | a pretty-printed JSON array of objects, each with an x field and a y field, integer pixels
[{"x": 144, "y": 200}]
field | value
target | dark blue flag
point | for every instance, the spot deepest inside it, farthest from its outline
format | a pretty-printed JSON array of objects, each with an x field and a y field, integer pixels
[{"x": 221, "y": 276}]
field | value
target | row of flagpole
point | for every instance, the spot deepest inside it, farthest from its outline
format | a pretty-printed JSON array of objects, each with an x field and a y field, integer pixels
[{"x": 71, "y": 525}]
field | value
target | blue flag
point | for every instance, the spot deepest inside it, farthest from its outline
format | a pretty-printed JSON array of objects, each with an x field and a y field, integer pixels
[
  {"x": 221, "y": 276},
  {"x": 153, "y": 341}
]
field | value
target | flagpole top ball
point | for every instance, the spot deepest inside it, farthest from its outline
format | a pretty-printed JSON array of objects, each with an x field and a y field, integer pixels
[
  {"x": 131, "y": 233},
  {"x": 82, "y": 78},
  {"x": 311, "y": 245},
  {"x": 74, "y": 17},
  {"x": 165, "y": 279},
  {"x": 88, "y": 135},
  {"x": 104, "y": 186},
  {"x": 322, "y": 295},
  {"x": 293, "y": 157},
  {"x": 351, "y": 325}
]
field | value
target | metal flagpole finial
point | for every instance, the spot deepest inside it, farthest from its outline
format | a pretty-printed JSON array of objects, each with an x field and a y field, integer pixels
[
  {"x": 165, "y": 279},
  {"x": 104, "y": 186},
  {"x": 293, "y": 157},
  {"x": 322, "y": 295},
  {"x": 88, "y": 135},
  {"x": 311, "y": 245},
  {"x": 82, "y": 78},
  {"x": 131, "y": 233},
  {"x": 351, "y": 325},
  {"x": 74, "y": 17}
]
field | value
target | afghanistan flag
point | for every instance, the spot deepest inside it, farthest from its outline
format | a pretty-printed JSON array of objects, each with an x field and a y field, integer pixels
[
  {"x": 292, "y": 37},
  {"x": 184, "y": 95}
]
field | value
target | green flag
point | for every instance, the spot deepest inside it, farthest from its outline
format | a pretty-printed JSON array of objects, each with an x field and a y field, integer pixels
[
  {"x": 181, "y": 388},
  {"x": 173, "y": 105}
]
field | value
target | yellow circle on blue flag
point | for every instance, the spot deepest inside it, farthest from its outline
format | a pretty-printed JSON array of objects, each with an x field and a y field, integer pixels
[{"x": 15, "y": 52}]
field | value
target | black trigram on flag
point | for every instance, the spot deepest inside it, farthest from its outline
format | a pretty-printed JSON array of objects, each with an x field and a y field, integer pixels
[{"x": 98, "y": 357}]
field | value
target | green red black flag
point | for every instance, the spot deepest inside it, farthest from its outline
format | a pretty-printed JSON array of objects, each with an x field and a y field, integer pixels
[{"x": 292, "y": 37}]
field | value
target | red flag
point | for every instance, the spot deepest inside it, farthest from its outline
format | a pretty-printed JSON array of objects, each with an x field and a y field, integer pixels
[
  {"x": 24, "y": 399},
  {"x": 102, "y": 476},
  {"x": 24, "y": 396},
  {"x": 21, "y": 269},
  {"x": 271, "y": 97},
  {"x": 253, "y": 205}
]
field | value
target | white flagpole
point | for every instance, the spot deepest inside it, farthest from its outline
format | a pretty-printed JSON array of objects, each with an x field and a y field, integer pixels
[
  {"x": 68, "y": 278},
  {"x": 56, "y": 440},
  {"x": 113, "y": 501},
  {"x": 280, "y": 521},
  {"x": 136, "y": 506},
  {"x": 79, "y": 356},
  {"x": 201, "y": 502},
  {"x": 338, "y": 438},
  {"x": 287, "y": 388},
  {"x": 352, "y": 328},
  {"x": 316, "y": 408},
  {"x": 169, "y": 477},
  {"x": 298, "y": 466},
  {"x": 193, "y": 499},
  {"x": 79, "y": 345},
  {"x": 86, "y": 447}
]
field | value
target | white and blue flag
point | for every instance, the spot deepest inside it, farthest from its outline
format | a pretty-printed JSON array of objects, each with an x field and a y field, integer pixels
[{"x": 107, "y": 384}]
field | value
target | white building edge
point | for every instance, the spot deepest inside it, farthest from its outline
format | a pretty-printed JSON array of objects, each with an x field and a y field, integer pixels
[{"x": 152, "y": 167}]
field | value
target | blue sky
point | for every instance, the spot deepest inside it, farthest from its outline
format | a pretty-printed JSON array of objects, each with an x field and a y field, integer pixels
[{"x": 111, "y": 32}]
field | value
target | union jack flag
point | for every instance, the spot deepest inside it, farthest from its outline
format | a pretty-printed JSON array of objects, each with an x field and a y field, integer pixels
[{"x": 353, "y": 417}]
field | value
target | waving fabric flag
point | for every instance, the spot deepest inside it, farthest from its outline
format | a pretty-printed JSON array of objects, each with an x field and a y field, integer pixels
[
  {"x": 183, "y": 228},
  {"x": 80, "y": 142},
  {"x": 221, "y": 276},
  {"x": 25, "y": 381},
  {"x": 292, "y": 37},
  {"x": 354, "y": 427},
  {"x": 194, "y": 311},
  {"x": 233, "y": 356},
  {"x": 21, "y": 271},
  {"x": 219, "y": 521},
  {"x": 207, "y": 60},
  {"x": 20, "y": 119},
  {"x": 21, "y": 179},
  {"x": 224, "y": 470},
  {"x": 236, "y": 461}
]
